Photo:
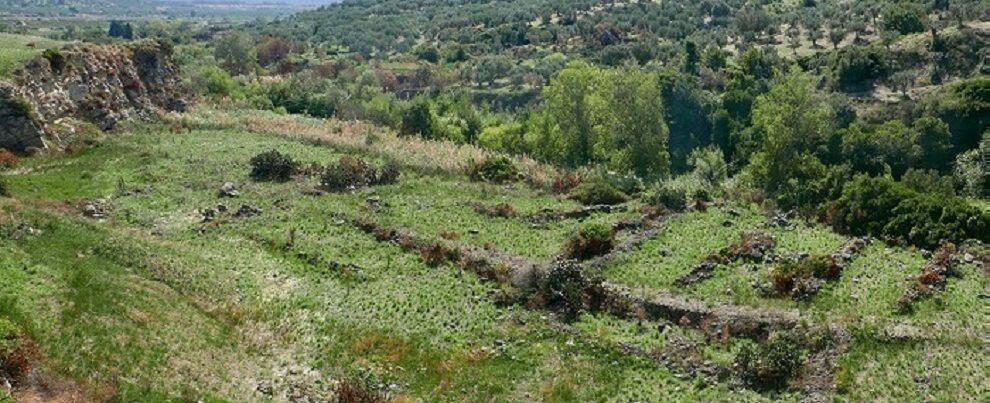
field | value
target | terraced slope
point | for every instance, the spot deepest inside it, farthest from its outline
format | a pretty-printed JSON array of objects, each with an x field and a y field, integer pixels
[{"x": 130, "y": 277}]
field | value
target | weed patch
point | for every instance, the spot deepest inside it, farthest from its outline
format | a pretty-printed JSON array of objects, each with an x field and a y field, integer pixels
[
  {"x": 932, "y": 278},
  {"x": 591, "y": 240},
  {"x": 751, "y": 246},
  {"x": 598, "y": 192},
  {"x": 495, "y": 170},
  {"x": 351, "y": 173}
]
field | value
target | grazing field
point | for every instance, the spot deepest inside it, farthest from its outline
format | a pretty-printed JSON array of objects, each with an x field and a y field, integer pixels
[
  {"x": 17, "y": 49},
  {"x": 136, "y": 280}
]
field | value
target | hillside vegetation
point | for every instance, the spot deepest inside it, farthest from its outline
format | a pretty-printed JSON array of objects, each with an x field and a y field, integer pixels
[{"x": 502, "y": 200}]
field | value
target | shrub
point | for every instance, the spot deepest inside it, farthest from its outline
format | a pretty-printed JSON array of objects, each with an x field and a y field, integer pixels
[
  {"x": 670, "y": 197},
  {"x": 789, "y": 275},
  {"x": 502, "y": 210},
  {"x": 273, "y": 166},
  {"x": 55, "y": 59},
  {"x": 8, "y": 160},
  {"x": 215, "y": 81},
  {"x": 564, "y": 182},
  {"x": 591, "y": 240},
  {"x": 882, "y": 207},
  {"x": 598, "y": 192},
  {"x": 387, "y": 174},
  {"x": 347, "y": 173},
  {"x": 437, "y": 254},
  {"x": 770, "y": 365},
  {"x": 496, "y": 169},
  {"x": 627, "y": 183},
  {"x": 351, "y": 172},
  {"x": 565, "y": 288}
]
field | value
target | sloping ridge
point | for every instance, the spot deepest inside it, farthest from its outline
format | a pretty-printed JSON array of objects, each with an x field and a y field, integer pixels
[{"x": 98, "y": 84}]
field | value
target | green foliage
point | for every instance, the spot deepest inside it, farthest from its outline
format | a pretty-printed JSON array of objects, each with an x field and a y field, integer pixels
[
  {"x": 215, "y": 81},
  {"x": 4, "y": 187},
  {"x": 55, "y": 58},
  {"x": 904, "y": 17},
  {"x": 119, "y": 29},
  {"x": 854, "y": 68},
  {"x": 928, "y": 181},
  {"x": 609, "y": 116},
  {"x": 419, "y": 119},
  {"x": 795, "y": 121},
  {"x": 236, "y": 51},
  {"x": 597, "y": 192},
  {"x": 10, "y": 337},
  {"x": 273, "y": 166},
  {"x": 771, "y": 364},
  {"x": 882, "y": 207},
  {"x": 594, "y": 239},
  {"x": 352, "y": 172},
  {"x": 564, "y": 287},
  {"x": 498, "y": 169},
  {"x": 670, "y": 197},
  {"x": 970, "y": 173}
]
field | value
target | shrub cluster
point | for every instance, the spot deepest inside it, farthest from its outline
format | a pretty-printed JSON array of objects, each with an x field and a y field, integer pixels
[
  {"x": 598, "y": 192},
  {"x": 352, "y": 172},
  {"x": 799, "y": 278},
  {"x": 4, "y": 187},
  {"x": 500, "y": 210},
  {"x": 273, "y": 166},
  {"x": 496, "y": 170},
  {"x": 669, "y": 197},
  {"x": 591, "y": 240},
  {"x": 883, "y": 207},
  {"x": 567, "y": 289},
  {"x": 770, "y": 365}
]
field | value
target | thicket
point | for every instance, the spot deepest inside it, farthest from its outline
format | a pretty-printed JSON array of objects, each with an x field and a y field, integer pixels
[{"x": 879, "y": 206}]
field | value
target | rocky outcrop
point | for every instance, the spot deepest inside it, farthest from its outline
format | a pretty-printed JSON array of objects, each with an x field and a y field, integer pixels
[{"x": 102, "y": 85}]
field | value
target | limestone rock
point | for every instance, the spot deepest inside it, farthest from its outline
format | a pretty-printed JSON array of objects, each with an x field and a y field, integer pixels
[{"x": 99, "y": 84}]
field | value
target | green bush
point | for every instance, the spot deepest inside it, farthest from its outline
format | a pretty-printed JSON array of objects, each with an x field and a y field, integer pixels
[
  {"x": 4, "y": 188},
  {"x": 565, "y": 288},
  {"x": 591, "y": 240},
  {"x": 215, "y": 81},
  {"x": 670, "y": 197},
  {"x": 496, "y": 169},
  {"x": 351, "y": 173},
  {"x": 273, "y": 166},
  {"x": 883, "y": 207},
  {"x": 55, "y": 59},
  {"x": 771, "y": 364},
  {"x": 598, "y": 192}
]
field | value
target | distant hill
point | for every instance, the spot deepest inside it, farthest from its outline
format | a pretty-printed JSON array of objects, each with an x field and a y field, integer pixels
[{"x": 156, "y": 8}]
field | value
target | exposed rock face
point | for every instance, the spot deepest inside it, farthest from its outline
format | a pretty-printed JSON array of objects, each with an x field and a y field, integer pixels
[{"x": 102, "y": 85}]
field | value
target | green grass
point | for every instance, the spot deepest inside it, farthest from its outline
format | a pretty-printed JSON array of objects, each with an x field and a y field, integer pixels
[
  {"x": 152, "y": 303},
  {"x": 14, "y": 50}
]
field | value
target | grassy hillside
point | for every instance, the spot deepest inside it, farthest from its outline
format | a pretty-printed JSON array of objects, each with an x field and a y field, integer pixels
[
  {"x": 119, "y": 263},
  {"x": 17, "y": 49}
]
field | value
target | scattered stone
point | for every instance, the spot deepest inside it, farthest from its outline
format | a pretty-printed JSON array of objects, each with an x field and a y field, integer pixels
[
  {"x": 247, "y": 211},
  {"x": 228, "y": 190},
  {"x": 95, "y": 209}
]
